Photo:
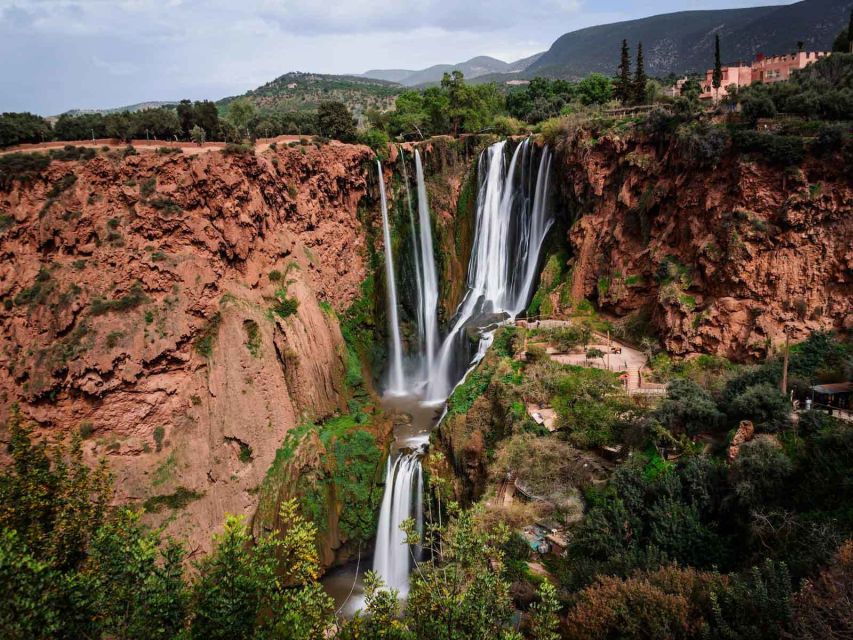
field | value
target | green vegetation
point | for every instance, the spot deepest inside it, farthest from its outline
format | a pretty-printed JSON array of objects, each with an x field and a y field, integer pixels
[
  {"x": 335, "y": 121},
  {"x": 159, "y": 434},
  {"x": 61, "y": 185},
  {"x": 677, "y": 537},
  {"x": 284, "y": 307},
  {"x": 21, "y": 166},
  {"x": 823, "y": 91},
  {"x": 74, "y": 568},
  {"x": 245, "y": 452},
  {"x": 132, "y": 299},
  {"x": 178, "y": 499},
  {"x": 22, "y": 128},
  {"x": 204, "y": 341},
  {"x": 253, "y": 337}
]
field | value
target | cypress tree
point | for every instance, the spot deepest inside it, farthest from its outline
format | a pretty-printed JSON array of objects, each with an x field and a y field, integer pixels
[
  {"x": 717, "y": 78},
  {"x": 850, "y": 33},
  {"x": 639, "y": 77},
  {"x": 623, "y": 85}
]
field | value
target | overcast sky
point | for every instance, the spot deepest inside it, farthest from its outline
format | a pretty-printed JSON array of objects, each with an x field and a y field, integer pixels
[{"x": 57, "y": 55}]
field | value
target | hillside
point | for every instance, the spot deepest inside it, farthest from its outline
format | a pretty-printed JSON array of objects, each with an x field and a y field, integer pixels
[
  {"x": 683, "y": 42},
  {"x": 297, "y": 91},
  {"x": 473, "y": 68}
]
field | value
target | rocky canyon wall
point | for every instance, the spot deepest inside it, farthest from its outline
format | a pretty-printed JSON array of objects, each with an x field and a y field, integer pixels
[
  {"x": 179, "y": 312},
  {"x": 718, "y": 256}
]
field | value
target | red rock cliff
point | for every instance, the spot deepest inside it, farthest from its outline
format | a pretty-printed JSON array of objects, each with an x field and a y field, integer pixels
[
  {"x": 137, "y": 295},
  {"x": 721, "y": 258}
]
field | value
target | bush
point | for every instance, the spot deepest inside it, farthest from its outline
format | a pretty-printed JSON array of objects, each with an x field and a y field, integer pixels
[
  {"x": 507, "y": 126},
  {"x": 688, "y": 408},
  {"x": 702, "y": 143},
  {"x": 759, "y": 472},
  {"x": 377, "y": 140},
  {"x": 775, "y": 149},
  {"x": 758, "y": 105},
  {"x": 238, "y": 149},
  {"x": 284, "y": 307},
  {"x": 21, "y": 166},
  {"x": 132, "y": 299},
  {"x": 335, "y": 121},
  {"x": 829, "y": 139},
  {"x": 763, "y": 404},
  {"x": 179, "y": 499},
  {"x": 203, "y": 342}
]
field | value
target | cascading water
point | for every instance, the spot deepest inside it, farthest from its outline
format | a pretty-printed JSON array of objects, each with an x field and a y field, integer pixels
[
  {"x": 429, "y": 280},
  {"x": 396, "y": 383},
  {"x": 512, "y": 222},
  {"x": 419, "y": 279},
  {"x": 403, "y": 487}
]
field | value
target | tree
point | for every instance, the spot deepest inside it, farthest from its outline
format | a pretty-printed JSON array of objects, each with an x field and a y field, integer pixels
[
  {"x": 207, "y": 117},
  {"x": 186, "y": 115},
  {"x": 596, "y": 88},
  {"x": 19, "y": 128},
  {"x": 764, "y": 404},
  {"x": 335, "y": 121},
  {"x": 240, "y": 113},
  {"x": 268, "y": 589},
  {"x": 717, "y": 77},
  {"x": 119, "y": 125},
  {"x": 544, "y": 622},
  {"x": 197, "y": 134},
  {"x": 822, "y": 608},
  {"x": 54, "y": 502},
  {"x": 82, "y": 127},
  {"x": 688, "y": 408},
  {"x": 623, "y": 85},
  {"x": 843, "y": 42},
  {"x": 639, "y": 87},
  {"x": 138, "y": 587},
  {"x": 759, "y": 473}
]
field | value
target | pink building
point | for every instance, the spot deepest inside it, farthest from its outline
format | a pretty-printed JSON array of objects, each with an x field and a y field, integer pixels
[
  {"x": 763, "y": 69},
  {"x": 778, "y": 68},
  {"x": 739, "y": 76}
]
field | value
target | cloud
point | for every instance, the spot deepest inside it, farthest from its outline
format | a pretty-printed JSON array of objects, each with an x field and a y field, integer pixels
[
  {"x": 63, "y": 54},
  {"x": 115, "y": 67}
]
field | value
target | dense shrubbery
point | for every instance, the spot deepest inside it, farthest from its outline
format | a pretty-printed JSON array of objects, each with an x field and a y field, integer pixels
[
  {"x": 544, "y": 98},
  {"x": 20, "y": 128},
  {"x": 776, "y": 149},
  {"x": 823, "y": 90}
]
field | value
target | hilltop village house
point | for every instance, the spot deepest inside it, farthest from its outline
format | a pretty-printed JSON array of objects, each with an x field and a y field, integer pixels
[{"x": 764, "y": 69}]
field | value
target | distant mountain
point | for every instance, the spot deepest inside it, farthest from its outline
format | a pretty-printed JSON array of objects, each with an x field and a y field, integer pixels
[
  {"x": 132, "y": 108},
  {"x": 389, "y": 75},
  {"x": 684, "y": 41},
  {"x": 298, "y": 91},
  {"x": 473, "y": 68}
]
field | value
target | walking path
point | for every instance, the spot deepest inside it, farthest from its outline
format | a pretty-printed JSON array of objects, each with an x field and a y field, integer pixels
[
  {"x": 630, "y": 360},
  {"x": 189, "y": 148}
]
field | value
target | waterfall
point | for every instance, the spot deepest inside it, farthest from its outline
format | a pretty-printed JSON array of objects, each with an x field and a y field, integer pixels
[
  {"x": 396, "y": 384},
  {"x": 512, "y": 222},
  {"x": 392, "y": 557},
  {"x": 419, "y": 280},
  {"x": 429, "y": 284}
]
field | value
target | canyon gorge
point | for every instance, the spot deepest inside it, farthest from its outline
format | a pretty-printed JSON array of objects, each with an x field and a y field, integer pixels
[{"x": 216, "y": 326}]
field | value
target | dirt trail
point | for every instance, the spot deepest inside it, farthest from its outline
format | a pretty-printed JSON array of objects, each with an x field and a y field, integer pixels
[{"x": 188, "y": 148}]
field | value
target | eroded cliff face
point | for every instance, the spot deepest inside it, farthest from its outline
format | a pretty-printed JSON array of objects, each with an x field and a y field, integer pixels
[
  {"x": 139, "y": 309},
  {"x": 721, "y": 259}
]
